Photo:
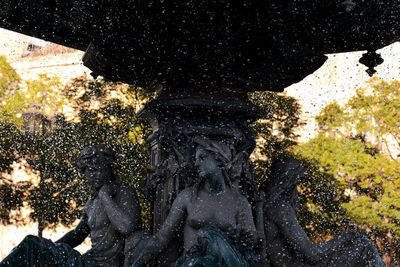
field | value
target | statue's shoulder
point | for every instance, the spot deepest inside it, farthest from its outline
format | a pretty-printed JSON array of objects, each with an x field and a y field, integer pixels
[
  {"x": 185, "y": 196},
  {"x": 239, "y": 196},
  {"x": 127, "y": 192},
  {"x": 276, "y": 211},
  {"x": 126, "y": 188},
  {"x": 88, "y": 205},
  {"x": 186, "y": 193}
]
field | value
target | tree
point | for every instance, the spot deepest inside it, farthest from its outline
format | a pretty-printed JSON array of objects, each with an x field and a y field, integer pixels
[
  {"x": 96, "y": 112},
  {"x": 320, "y": 213},
  {"x": 99, "y": 112},
  {"x": 97, "y": 118},
  {"x": 9, "y": 79},
  {"x": 356, "y": 145},
  {"x": 11, "y": 193},
  {"x": 275, "y": 133}
]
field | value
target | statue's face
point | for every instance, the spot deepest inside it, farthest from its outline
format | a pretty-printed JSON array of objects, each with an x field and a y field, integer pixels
[
  {"x": 206, "y": 163},
  {"x": 97, "y": 173}
]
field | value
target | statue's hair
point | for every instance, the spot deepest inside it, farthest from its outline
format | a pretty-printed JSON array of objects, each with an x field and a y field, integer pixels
[
  {"x": 232, "y": 164},
  {"x": 283, "y": 176},
  {"x": 222, "y": 150},
  {"x": 222, "y": 153},
  {"x": 106, "y": 154}
]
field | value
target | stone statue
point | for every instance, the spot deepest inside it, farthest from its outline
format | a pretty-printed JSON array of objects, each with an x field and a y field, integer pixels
[
  {"x": 108, "y": 218},
  {"x": 286, "y": 242},
  {"x": 215, "y": 218}
]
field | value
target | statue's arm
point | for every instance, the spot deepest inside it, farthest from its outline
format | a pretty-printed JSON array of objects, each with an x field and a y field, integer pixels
[
  {"x": 340, "y": 240},
  {"x": 174, "y": 219},
  {"x": 259, "y": 222},
  {"x": 124, "y": 215},
  {"x": 76, "y": 236},
  {"x": 285, "y": 217},
  {"x": 168, "y": 230},
  {"x": 247, "y": 229},
  {"x": 246, "y": 220},
  {"x": 259, "y": 213}
]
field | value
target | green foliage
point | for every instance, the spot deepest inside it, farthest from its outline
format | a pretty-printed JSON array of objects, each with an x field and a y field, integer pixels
[
  {"x": 320, "y": 211},
  {"x": 9, "y": 79},
  {"x": 371, "y": 113},
  {"x": 63, "y": 191},
  {"x": 41, "y": 95},
  {"x": 112, "y": 122},
  {"x": 9, "y": 145},
  {"x": 11, "y": 194},
  {"x": 349, "y": 148},
  {"x": 377, "y": 109},
  {"x": 366, "y": 178},
  {"x": 96, "y": 112},
  {"x": 331, "y": 116},
  {"x": 274, "y": 133}
]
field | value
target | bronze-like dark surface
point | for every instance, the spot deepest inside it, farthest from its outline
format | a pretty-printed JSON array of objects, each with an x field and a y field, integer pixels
[
  {"x": 207, "y": 45},
  {"x": 286, "y": 242}
]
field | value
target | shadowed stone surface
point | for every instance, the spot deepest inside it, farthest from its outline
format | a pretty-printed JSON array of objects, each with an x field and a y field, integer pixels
[{"x": 207, "y": 45}]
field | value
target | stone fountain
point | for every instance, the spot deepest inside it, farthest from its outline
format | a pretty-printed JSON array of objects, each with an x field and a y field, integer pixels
[{"x": 202, "y": 58}]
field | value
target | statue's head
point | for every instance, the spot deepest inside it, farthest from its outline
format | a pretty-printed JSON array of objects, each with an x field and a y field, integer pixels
[
  {"x": 284, "y": 175},
  {"x": 213, "y": 156},
  {"x": 96, "y": 162}
]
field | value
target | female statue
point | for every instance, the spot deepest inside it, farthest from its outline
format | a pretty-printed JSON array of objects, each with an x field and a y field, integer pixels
[
  {"x": 212, "y": 214},
  {"x": 286, "y": 242}
]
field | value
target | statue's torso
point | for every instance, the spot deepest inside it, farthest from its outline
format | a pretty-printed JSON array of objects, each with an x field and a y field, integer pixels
[
  {"x": 205, "y": 209},
  {"x": 107, "y": 242}
]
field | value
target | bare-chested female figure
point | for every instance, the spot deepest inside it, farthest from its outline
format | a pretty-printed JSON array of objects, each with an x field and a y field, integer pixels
[
  {"x": 108, "y": 218},
  {"x": 208, "y": 212}
]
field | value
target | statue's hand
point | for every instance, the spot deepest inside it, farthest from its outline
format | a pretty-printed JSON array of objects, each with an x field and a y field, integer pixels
[
  {"x": 143, "y": 260},
  {"x": 260, "y": 197},
  {"x": 139, "y": 262}
]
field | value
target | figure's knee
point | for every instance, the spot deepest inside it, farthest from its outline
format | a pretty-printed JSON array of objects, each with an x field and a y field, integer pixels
[
  {"x": 31, "y": 240},
  {"x": 19, "y": 256},
  {"x": 365, "y": 242}
]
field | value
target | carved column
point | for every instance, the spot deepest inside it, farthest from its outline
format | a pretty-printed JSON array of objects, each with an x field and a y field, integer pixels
[{"x": 176, "y": 119}]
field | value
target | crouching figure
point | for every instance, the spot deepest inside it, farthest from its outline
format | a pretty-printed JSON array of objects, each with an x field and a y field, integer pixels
[{"x": 286, "y": 242}]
